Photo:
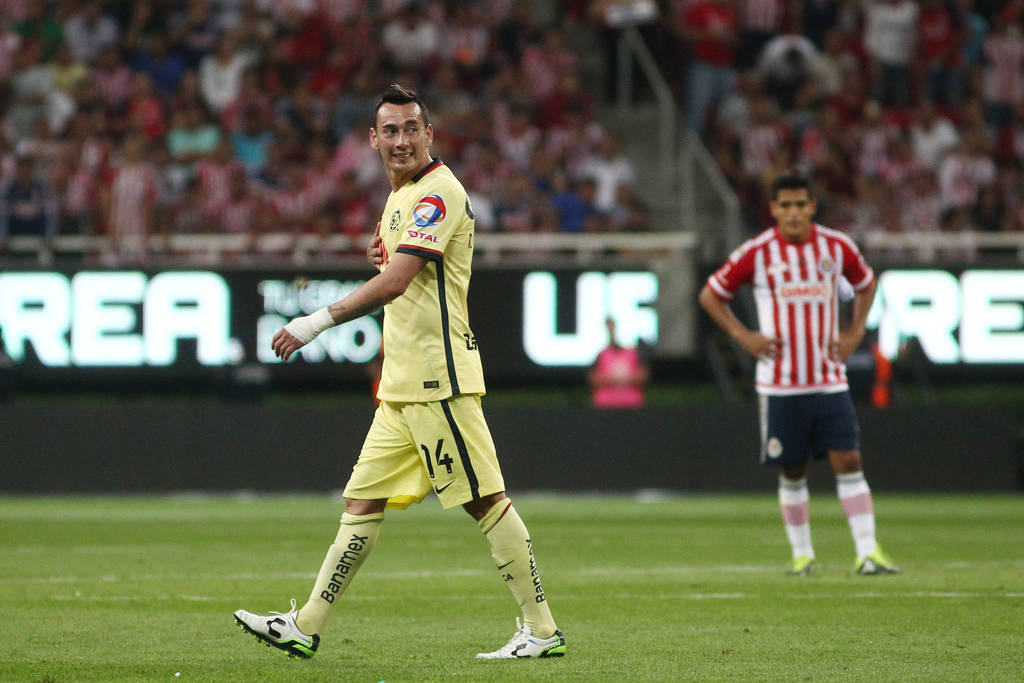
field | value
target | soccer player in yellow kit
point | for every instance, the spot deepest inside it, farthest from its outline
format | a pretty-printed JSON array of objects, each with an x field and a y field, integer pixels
[{"x": 429, "y": 433}]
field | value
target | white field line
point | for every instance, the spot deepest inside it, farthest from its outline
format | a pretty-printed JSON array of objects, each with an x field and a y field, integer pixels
[
  {"x": 462, "y": 597},
  {"x": 427, "y": 573},
  {"x": 676, "y": 570}
]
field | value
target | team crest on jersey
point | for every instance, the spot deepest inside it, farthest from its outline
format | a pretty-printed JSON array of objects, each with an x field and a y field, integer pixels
[
  {"x": 396, "y": 221},
  {"x": 826, "y": 265},
  {"x": 774, "y": 447},
  {"x": 429, "y": 211}
]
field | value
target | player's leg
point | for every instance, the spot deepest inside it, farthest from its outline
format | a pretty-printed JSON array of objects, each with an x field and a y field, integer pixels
[
  {"x": 512, "y": 551},
  {"x": 297, "y": 631},
  {"x": 839, "y": 433},
  {"x": 784, "y": 443},
  {"x": 357, "y": 534},
  {"x": 794, "y": 503},
  {"x": 462, "y": 464},
  {"x": 387, "y": 473}
]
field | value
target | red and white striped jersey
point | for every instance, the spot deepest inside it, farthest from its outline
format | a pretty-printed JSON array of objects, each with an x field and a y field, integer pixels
[
  {"x": 796, "y": 288},
  {"x": 132, "y": 191},
  {"x": 1003, "y": 78},
  {"x": 762, "y": 16}
]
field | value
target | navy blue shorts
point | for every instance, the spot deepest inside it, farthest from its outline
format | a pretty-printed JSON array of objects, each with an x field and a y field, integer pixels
[{"x": 796, "y": 428}]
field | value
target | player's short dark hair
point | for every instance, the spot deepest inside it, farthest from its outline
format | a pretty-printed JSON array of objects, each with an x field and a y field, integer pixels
[
  {"x": 792, "y": 179},
  {"x": 396, "y": 94}
]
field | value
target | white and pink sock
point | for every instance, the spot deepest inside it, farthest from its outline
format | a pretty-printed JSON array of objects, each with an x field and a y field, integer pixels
[
  {"x": 855, "y": 497},
  {"x": 794, "y": 501}
]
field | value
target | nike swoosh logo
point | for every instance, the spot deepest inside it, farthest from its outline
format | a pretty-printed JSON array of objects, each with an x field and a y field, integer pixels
[
  {"x": 502, "y": 566},
  {"x": 438, "y": 490}
]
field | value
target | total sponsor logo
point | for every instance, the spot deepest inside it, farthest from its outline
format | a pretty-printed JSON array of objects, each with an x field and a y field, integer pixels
[
  {"x": 429, "y": 211},
  {"x": 805, "y": 291},
  {"x": 425, "y": 236}
]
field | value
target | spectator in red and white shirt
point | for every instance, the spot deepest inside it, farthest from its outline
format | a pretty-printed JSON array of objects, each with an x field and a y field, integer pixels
[
  {"x": 214, "y": 175},
  {"x": 543, "y": 62},
  {"x": 111, "y": 80},
  {"x": 243, "y": 211},
  {"x": 759, "y": 140},
  {"x": 1004, "y": 71},
  {"x": 759, "y": 21},
  {"x": 965, "y": 170},
  {"x": 131, "y": 198}
]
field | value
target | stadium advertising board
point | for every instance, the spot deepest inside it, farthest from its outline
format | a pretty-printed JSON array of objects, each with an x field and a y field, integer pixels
[
  {"x": 192, "y": 324},
  {"x": 971, "y": 318}
]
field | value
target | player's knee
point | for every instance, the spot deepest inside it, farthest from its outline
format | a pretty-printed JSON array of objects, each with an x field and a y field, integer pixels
[
  {"x": 794, "y": 471},
  {"x": 481, "y": 506},
  {"x": 845, "y": 462},
  {"x": 356, "y": 507}
]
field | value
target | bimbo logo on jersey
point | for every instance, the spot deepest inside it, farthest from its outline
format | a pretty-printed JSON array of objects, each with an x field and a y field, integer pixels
[
  {"x": 429, "y": 211},
  {"x": 805, "y": 291}
]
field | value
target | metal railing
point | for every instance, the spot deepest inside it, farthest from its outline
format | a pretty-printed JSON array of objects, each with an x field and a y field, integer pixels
[
  {"x": 709, "y": 206},
  {"x": 927, "y": 247},
  {"x": 491, "y": 248},
  {"x": 632, "y": 46},
  {"x": 214, "y": 249}
]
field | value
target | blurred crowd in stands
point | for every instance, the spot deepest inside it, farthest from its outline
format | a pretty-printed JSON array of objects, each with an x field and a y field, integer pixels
[
  {"x": 908, "y": 115},
  {"x": 137, "y": 117},
  {"x": 248, "y": 116}
]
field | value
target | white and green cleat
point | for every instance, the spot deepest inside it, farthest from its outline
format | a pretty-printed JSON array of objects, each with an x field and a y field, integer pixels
[
  {"x": 876, "y": 563},
  {"x": 802, "y": 565},
  {"x": 525, "y": 645},
  {"x": 278, "y": 629}
]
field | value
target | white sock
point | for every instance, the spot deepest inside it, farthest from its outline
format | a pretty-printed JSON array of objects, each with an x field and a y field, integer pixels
[
  {"x": 855, "y": 497},
  {"x": 794, "y": 500}
]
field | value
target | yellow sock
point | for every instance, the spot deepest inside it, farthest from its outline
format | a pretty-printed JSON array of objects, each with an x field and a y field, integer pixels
[
  {"x": 354, "y": 542},
  {"x": 513, "y": 554}
]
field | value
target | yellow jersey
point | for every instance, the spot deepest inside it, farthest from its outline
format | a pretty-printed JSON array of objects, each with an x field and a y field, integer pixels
[{"x": 430, "y": 352}]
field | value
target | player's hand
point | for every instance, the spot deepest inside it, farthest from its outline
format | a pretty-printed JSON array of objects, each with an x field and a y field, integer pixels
[
  {"x": 284, "y": 344},
  {"x": 760, "y": 346},
  {"x": 375, "y": 250},
  {"x": 844, "y": 347}
]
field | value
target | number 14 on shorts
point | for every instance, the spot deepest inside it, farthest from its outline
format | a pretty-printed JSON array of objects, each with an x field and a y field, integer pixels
[{"x": 442, "y": 459}]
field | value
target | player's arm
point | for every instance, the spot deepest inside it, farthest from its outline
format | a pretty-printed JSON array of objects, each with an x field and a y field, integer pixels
[
  {"x": 367, "y": 298},
  {"x": 850, "y": 338},
  {"x": 754, "y": 343}
]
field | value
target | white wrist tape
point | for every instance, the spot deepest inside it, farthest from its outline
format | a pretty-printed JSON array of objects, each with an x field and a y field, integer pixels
[{"x": 306, "y": 328}]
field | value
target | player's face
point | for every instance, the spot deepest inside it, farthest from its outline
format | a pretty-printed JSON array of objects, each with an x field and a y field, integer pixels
[
  {"x": 793, "y": 210},
  {"x": 402, "y": 139}
]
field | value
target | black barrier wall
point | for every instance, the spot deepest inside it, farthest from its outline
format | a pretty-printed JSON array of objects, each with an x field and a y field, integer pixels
[{"x": 126, "y": 445}]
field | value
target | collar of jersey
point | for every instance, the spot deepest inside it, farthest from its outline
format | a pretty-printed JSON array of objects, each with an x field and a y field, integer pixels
[
  {"x": 434, "y": 163},
  {"x": 786, "y": 240}
]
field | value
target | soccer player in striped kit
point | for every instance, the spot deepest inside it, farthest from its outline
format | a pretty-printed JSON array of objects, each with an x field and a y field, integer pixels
[{"x": 796, "y": 269}]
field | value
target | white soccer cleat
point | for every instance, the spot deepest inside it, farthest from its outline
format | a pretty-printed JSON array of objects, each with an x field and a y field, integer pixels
[
  {"x": 525, "y": 645},
  {"x": 279, "y": 630}
]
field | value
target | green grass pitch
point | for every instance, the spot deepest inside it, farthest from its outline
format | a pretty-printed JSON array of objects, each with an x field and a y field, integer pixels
[{"x": 645, "y": 588}]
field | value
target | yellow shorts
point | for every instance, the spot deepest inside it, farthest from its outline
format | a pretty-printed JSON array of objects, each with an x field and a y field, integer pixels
[{"x": 415, "y": 448}]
